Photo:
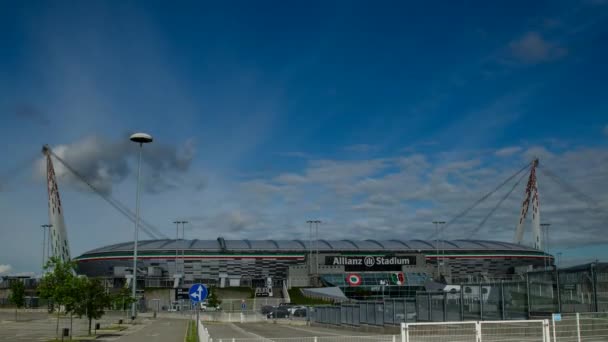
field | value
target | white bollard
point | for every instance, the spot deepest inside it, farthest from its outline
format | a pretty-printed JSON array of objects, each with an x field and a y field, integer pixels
[
  {"x": 554, "y": 335},
  {"x": 578, "y": 327},
  {"x": 478, "y": 332},
  {"x": 404, "y": 334}
]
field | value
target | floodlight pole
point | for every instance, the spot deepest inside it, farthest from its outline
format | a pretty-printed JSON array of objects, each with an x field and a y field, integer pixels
[
  {"x": 45, "y": 227},
  {"x": 184, "y": 249},
  {"x": 545, "y": 228},
  {"x": 176, "y": 241}
]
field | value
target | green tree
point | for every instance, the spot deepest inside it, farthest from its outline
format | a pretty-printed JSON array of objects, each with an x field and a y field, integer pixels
[
  {"x": 122, "y": 299},
  {"x": 212, "y": 299},
  {"x": 92, "y": 297},
  {"x": 17, "y": 295},
  {"x": 57, "y": 285}
]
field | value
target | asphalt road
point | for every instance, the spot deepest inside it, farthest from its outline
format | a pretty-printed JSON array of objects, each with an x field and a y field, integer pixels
[{"x": 269, "y": 330}]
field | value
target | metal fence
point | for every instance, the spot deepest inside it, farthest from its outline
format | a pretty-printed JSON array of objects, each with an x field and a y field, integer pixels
[
  {"x": 580, "y": 327},
  {"x": 388, "y": 312},
  {"x": 334, "y": 338},
  {"x": 478, "y": 331},
  {"x": 539, "y": 294}
]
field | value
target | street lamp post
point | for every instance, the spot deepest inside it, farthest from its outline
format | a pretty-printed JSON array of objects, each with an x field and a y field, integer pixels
[
  {"x": 545, "y": 230},
  {"x": 141, "y": 139},
  {"x": 184, "y": 249},
  {"x": 316, "y": 245},
  {"x": 177, "y": 222},
  {"x": 437, "y": 223},
  {"x": 45, "y": 227}
]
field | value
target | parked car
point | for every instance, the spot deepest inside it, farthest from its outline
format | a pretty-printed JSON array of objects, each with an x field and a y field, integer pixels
[
  {"x": 292, "y": 309},
  {"x": 205, "y": 307},
  {"x": 280, "y": 312},
  {"x": 300, "y": 312},
  {"x": 266, "y": 309}
]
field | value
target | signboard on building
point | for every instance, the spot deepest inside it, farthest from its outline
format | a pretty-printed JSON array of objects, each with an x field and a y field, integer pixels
[
  {"x": 371, "y": 263},
  {"x": 181, "y": 294}
]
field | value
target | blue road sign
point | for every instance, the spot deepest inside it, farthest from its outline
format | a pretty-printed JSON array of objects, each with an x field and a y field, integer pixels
[
  {"x": 198, "y": 293},
  {"x": 557, "y": 317}
]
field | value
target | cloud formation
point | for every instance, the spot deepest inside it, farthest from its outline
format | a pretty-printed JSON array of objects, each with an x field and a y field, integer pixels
[
  {"x": 507, "y": 151},
  {"x": 399, "y": 197},
  {"x": 104, "y": 163},
  {"x": 532, "y": 48},
  {"x": 4, "y": 268}
]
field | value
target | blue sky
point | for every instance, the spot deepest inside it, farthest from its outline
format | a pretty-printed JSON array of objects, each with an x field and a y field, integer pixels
[{"x": 372, "y": 117}]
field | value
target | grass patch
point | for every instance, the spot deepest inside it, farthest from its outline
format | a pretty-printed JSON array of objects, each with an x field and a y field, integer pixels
[
  {"x": 191, "y": 335},
  {"x": 298, "y": 298}
]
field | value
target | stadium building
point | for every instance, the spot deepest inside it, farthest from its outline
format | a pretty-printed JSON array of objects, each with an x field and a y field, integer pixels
[
  {"x": 399, "y": 267},
  {"x": 393, "y": 268}
]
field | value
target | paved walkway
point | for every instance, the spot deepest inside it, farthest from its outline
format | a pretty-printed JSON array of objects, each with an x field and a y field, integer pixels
[{"x": 165, "y": 330}]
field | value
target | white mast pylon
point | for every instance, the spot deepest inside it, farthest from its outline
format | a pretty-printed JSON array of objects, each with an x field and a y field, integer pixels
[
  {"x": 530, "y": 194},
  {"x": 58, "y": 234}
]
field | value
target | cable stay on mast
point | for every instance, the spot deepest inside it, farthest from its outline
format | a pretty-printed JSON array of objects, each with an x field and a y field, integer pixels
[
  {"x": 479, "y": 201},
  {"x": 147, "y": 228},
  {"x": 504, "y": 198},
  {"x": 591, "y": 203}
]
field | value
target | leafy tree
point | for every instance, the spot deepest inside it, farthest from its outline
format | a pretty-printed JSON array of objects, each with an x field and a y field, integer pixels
[
  {"x": 57, "y": 285},
  {"x": 212, "y": 299},
  {"x": 122, "y": 299},
  {"x": 17, "y": 295},
  {"x": 93, "y": 299}
]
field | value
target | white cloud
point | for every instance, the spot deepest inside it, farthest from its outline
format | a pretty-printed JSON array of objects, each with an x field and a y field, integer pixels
[
  {"x": 104, "y": 163},
  {"x": 507, "y": 151},
  {"x": 5, "y": 268},
  {"x": 399, "y": 197},
  {"x": 532, "y": 48}
]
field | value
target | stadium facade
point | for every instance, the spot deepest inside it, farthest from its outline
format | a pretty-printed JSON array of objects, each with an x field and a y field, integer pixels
[{"x": 400, "y": 266}]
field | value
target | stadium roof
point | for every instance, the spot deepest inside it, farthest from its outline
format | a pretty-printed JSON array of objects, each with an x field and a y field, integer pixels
[{"x": 222, "y": 245}]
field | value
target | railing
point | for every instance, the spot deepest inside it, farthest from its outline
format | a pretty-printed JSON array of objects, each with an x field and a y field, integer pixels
[
  {"x": 335, "y": 338},
  {"x": 580, "y": 327},
  {"x": 477, "y": 331}
]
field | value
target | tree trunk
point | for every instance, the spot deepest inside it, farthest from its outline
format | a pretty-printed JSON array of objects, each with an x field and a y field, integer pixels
[{"x": 90, "y": 326}]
